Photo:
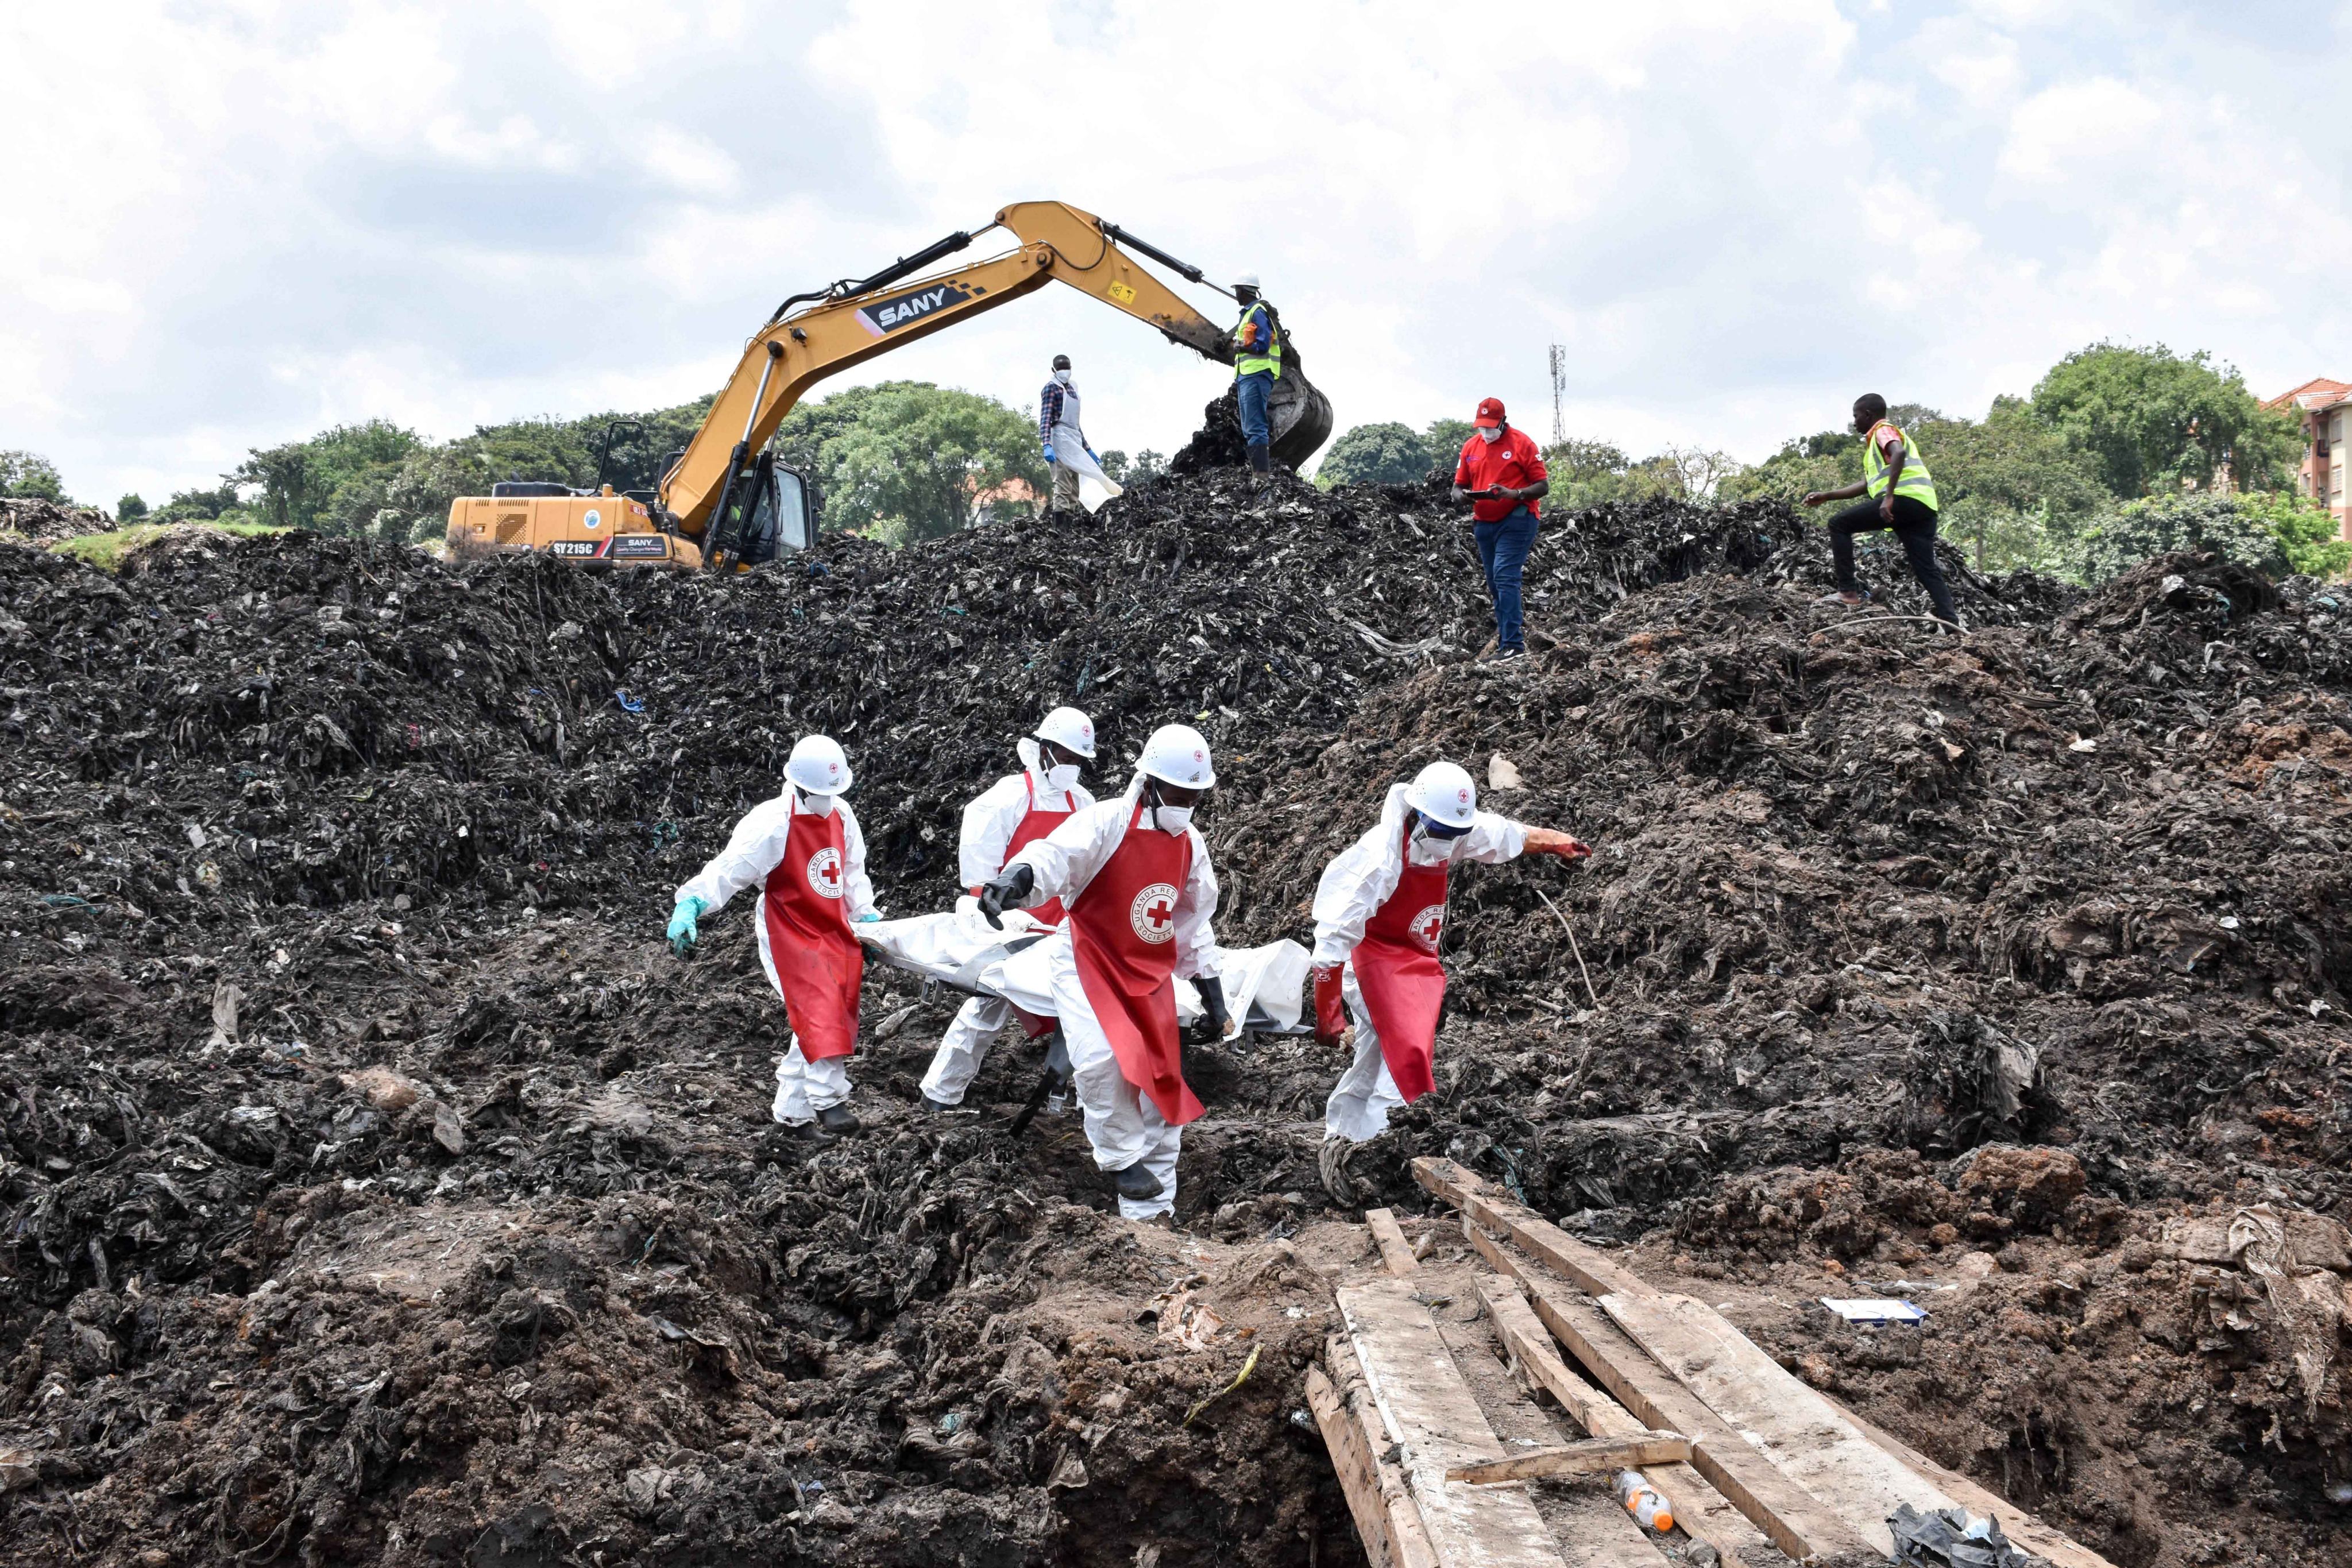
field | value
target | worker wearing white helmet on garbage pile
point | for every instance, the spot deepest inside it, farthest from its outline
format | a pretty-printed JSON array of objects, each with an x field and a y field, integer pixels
[
  {"x": 1012, "y": 813},
  {"x": 1135, "y": 875},
  {"x": 805, "y": 850},
  {"x": 1379, "y": 912}
]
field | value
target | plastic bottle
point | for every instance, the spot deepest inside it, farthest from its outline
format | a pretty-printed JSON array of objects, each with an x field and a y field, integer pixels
[{"x": 1641, "y": 1501}]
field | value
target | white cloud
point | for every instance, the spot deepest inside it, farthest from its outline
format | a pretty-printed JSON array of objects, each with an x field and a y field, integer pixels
[
  {"x": 249, "y": 220},
  {"x": 2079, "y": 127}
]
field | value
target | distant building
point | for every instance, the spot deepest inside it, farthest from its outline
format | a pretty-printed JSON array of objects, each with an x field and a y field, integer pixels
[{"x": 2325, "y": 409}]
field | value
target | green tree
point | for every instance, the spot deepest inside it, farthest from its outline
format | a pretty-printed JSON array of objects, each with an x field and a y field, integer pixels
[
  {"x": 1125, "y": 470},
  {"x": 130, "y": 509},
  {"x": 2151, "y": 420},
  {"x": 1387, "y": 453},
  {"x": 1804, "y": 464},
  {"x": 642, "y": 445},
  {"x": 2161, "y": 524},
  {"x": 335, "y": 482},
  {"x": 2010, "y": 490},
  {"x": 28, "y": 476},
  {"x": 906, "y": 460},
  {"x": 1443, "y": 439},
  {"x": 198, "y": 505}
]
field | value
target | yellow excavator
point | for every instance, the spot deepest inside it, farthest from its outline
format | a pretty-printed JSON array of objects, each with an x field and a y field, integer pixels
[{"x": 727, "y": 502}]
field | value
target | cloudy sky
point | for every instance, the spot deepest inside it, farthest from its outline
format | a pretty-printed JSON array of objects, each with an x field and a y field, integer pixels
[{"x": 233, "y": 224}]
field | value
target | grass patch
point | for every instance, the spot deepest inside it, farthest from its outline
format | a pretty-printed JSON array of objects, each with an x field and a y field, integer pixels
[{"x": 107, "y": 550}]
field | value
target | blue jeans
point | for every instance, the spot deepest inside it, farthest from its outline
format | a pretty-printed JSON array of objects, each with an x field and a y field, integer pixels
[
  {"x": 1251, "y": 391},
  {"x": 1503, "y": 547}
]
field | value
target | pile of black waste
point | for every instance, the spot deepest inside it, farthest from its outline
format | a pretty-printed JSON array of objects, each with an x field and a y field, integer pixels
[{"x": 379, "y": 1188}]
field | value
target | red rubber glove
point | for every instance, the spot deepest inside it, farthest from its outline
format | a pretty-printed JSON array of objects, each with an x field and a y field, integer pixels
[
  {"x": 1330, "y": 1008},
  {"x": 1544, "y": 841}
]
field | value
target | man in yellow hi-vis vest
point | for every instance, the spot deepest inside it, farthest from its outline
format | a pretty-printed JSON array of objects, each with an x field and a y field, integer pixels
[
  {"x": 1902, "y": 497},
  {"x": 1258, "y": 365}
]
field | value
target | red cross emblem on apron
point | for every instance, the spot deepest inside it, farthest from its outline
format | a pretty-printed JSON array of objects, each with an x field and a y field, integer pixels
[
  {"x": 818, "y": 963},
  {"x": 1122, "y": 936},
  {"x": 1399, "y": 975}
]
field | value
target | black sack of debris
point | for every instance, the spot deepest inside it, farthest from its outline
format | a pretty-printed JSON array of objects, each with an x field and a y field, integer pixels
[{"x": 1947, "y": 1538}]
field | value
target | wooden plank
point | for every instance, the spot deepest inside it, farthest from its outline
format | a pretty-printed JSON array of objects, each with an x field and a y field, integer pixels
[
  {"x": 1396, "y": 1253},
  {"x": 1438, "y": 1425},
  {"x": 1593, "y": 1272},
  {"x": 1405, "y": 1541},
  {"x": 1586, "y": 1459},
  {"x": 1523, "y": 1335},
  {"x": 2029, "y": 1533},
  {"x": 1797, "y": 1522},
  {"x": 1773, "y": 1408},
  {"x": 1699, "y": 1509},
  {"x": 1352, "y": 1460}
]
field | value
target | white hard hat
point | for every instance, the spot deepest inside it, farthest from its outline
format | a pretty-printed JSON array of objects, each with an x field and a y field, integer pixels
[
  {"x": 1070, "y": 730},
  {"x": 818, "y": 765},
  {"x": 1177, "y": 754},
  {"x": 1246, "y": 280},
  {"x": 1444, "y": 793}
]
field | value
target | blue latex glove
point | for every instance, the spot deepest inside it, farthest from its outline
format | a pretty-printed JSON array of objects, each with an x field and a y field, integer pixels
[
  {"x": 1049, "y": 454},
  {"x": 682, "y": 933},
  {"x": 868, "y": 918}
]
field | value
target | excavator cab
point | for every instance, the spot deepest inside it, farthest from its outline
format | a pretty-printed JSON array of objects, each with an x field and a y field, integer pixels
[{"x": 773, "y": 512}]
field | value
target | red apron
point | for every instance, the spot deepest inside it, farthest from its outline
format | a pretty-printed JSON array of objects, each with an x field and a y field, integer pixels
[
  {"x": 818, "y": 964},
  {"x": 1123, "y": 936},
  {"x": 1036, "y": 825},
  {"x": 1398, "y": 973}
]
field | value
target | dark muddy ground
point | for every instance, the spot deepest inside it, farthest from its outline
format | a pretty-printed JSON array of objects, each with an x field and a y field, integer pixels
[{"x": 379, "y": 1189}]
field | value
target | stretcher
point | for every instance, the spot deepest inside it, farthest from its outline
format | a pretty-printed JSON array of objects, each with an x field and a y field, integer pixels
[{"x": 958, "y": 951}]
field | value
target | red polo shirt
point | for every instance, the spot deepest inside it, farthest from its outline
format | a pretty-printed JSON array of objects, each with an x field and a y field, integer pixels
[{"x": 1514, "y": 461}]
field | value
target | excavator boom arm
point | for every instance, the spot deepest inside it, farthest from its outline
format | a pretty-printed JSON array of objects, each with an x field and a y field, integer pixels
[{"x": 854, "y": 322}]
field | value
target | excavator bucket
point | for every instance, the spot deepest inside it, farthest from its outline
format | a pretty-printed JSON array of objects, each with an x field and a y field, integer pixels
[{"x": 1299, "y": 413}]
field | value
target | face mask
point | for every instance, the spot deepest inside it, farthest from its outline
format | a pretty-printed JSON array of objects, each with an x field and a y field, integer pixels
[
  {"x": 818, "y": 804},
  {"x": 1172, "y": 818},
  {"x": 1490, "y": 434},
  {"x": 1063, "y": 376},
  {"x": 1061, "y": 777},
  {"x": 1435, "y": 838}
]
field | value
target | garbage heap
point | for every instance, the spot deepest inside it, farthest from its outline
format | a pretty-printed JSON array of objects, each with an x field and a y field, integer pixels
[{"x": 379, "y": 1188}]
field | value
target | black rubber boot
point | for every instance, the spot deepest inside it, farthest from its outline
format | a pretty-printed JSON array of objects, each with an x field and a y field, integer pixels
[
  {"x": 1137, "y": 1185},
  {"x": 936, "y": 1107},
  {"x": 1260, "y": 462},
  {"x": 838, "y": 1119}
]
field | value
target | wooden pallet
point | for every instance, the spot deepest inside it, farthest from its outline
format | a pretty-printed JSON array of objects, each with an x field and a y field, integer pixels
[{"x": 1744, "y": 1452}]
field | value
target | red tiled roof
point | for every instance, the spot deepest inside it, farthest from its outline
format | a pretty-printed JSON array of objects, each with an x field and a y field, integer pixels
[{"x": 2317, "y": 393}]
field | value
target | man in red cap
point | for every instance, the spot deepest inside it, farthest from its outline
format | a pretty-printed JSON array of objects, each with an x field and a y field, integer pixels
[{"x": 1501, "y": 474}]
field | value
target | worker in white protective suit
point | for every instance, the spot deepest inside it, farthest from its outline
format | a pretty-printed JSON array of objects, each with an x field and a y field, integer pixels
[
  {"x": 805, "y": 850},
  {"x": 1134, "y": 874},
  {"x": 1067, "y": 452},
  {"x": 1379, "y": 911},
  {"x": 1012, "y": 813}
]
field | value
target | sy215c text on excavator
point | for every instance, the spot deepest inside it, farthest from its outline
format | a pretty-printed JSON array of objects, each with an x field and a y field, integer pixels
[{"x": 725, "y": 502}]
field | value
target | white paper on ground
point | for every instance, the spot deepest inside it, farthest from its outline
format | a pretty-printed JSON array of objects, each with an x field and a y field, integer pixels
[{"x": 1875, "y": 1310}]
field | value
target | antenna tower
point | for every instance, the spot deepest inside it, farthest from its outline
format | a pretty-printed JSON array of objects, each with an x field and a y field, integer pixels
[{"x": 1558, "y": 392}]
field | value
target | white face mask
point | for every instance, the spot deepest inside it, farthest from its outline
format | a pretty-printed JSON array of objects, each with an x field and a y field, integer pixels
[
  {"x": 1063, "y": 376},
  {"x": 818, "y": 804},
  {"x": 1172, "y": 818},
  {"x": 1490, "y": 434},
  {"x": 1061, "y": 777}
]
